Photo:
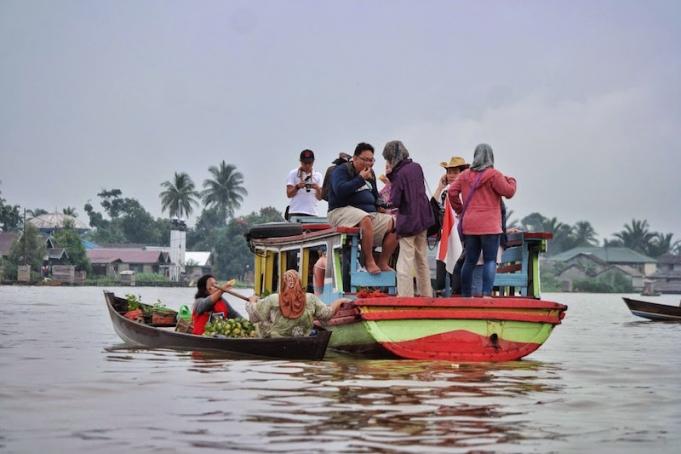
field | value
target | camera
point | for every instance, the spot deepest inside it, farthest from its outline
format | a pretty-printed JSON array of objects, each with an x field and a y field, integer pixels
[{"x": 308, "y": 185}]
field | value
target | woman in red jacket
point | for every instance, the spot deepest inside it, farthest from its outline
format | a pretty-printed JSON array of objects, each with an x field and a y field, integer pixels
[{"x": 476, "y": 196}]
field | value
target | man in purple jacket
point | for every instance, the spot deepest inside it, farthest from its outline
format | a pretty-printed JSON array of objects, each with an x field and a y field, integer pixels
[{"x": 414, "y": 216}]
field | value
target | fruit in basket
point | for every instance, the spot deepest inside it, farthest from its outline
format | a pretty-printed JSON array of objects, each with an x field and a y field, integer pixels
[{"x": 233, "y": 327}]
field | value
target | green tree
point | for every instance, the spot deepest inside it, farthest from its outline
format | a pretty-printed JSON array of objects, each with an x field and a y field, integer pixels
[
  {"x": 29, "y": 249},
  {"x": 231, "y": 254},
  {"x": 96, "y": 219},
  {"x": 34, "y": 213},
  {"x": 636, "y": 236},
  {"x": 534, "y": 222},
  {"x": 203, "y": 236},
  {"x": 660, "y": 244},
  {"x": 225, "y": 191},
  {"x": 129, "y": 223},
  {"x": 179, "y": 195},
  {"x": 584, "y": 234},
  {"x": 10, "y": 219},
  {"x": 511, "y": 222},
  {"x": 69, "y": 239},
  {"x": 111, "y": 202},
  {"x": 70, "y": 211}
]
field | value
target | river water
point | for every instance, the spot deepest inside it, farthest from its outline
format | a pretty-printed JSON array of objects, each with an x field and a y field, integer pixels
[{"x": 605, "y": 381}]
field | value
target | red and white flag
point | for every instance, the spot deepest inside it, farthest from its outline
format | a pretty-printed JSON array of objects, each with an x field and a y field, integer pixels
[{"x": 450, "y": 247}]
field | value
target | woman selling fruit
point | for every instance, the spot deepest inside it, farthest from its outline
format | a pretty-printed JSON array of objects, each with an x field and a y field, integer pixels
[
  {"x": 291, "y": 312},
  {"x": 208, "y": 300}
]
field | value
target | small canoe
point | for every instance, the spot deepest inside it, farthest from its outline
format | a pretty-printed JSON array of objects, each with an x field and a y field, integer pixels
[
  {"x": 149, "y": 336},
  {"x": 653, "y": 311}
]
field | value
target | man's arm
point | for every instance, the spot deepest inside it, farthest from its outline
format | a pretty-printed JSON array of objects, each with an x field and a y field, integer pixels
[
  {"x": 343, "y": 184},
  {"x": 292, "y": 185}
]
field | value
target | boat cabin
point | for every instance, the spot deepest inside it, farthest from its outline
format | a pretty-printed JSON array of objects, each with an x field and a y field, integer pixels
[{"x": 298, "y": 245}]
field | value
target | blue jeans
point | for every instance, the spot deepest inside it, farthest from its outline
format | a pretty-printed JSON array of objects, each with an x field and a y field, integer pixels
[{"x": 474, "y": 244}]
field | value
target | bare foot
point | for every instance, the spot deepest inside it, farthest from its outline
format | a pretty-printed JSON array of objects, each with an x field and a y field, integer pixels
[
  {"x": 385, "y": 268},
  {"x": 372, "y": 268}
]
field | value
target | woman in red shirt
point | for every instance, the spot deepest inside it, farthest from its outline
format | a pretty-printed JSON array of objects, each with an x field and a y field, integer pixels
[{"x": 476, "y": 196}]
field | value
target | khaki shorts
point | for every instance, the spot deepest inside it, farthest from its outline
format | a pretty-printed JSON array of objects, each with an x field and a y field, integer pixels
[{"x": 351, "y": 217}]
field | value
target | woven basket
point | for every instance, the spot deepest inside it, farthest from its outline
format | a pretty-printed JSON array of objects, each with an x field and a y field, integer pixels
[{"x": 184, "y": 326}]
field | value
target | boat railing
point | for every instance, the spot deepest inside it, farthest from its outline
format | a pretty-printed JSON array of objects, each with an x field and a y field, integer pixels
[{"x": 517, "y": 273}]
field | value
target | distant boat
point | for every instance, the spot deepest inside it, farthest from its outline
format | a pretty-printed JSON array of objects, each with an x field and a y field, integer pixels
[{"x": 653, "y": 311}]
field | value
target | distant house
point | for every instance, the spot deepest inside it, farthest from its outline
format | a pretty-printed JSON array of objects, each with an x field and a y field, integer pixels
[
  {"x": 572, "y": 273},
  {"x": 667, "y": 279},
  {"x": 633, "y": 275},
  {"x": 52, "y": 222},
  {"x": 111, "y": 261},
  {"x": 54, "y": 254},
  {"x": 602, "y": 263},
  {"x": 197, "y": 263},
  {"x": 612, "y": 256}
]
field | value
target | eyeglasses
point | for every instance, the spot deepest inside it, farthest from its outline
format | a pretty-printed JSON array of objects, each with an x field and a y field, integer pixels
[{"x": 369, "y": 160}]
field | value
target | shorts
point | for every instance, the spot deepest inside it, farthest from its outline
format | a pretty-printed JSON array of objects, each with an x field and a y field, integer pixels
[{"x": 351, "y": 217}]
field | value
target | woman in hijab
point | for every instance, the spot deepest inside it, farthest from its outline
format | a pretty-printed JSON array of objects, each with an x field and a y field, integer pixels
[
  {"x": 291, "y": 312},
  {"x": 414, "y": 216},
  {"x": 476, "y": 196}
]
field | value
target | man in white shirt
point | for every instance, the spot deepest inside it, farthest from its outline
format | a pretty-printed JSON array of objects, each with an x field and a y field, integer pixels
[{"x": 304, "y": 187}]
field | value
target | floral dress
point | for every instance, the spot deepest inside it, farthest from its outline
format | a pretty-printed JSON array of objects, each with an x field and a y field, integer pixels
[{"x": 271, "y": 323}]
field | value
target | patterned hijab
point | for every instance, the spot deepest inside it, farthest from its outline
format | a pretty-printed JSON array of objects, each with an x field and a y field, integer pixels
[
  {"x": 291, "y": 295},
  {"x": 483, "y": 158},
  {"x": 394, "y": 152}
]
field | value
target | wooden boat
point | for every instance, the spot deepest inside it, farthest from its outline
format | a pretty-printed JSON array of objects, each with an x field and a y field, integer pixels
[
  {"x": 149, "y": 336},
  {"x": 653, "y": 311},
  {"x": 456, "y": 329}
]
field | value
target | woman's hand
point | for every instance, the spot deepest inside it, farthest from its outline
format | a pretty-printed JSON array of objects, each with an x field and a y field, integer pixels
[{"x": 337, "y": 304}]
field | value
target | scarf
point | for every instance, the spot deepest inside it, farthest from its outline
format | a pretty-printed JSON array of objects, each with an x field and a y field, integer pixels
[
  {"x": 483, "y": 158},
  {"x": 291, "y": 295}
]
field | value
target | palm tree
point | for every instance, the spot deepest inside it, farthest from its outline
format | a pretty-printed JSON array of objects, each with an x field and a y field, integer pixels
[
  {"x": 511, "y": 223},
  {"x": 179, "y": 195},
  {"x": 36, "y": 212},
  {"x": 225, "y": 191},
  {"x": 70, "y": 211},
  {"x": 661, "y": 244},
  {"x": 636, "y": 236},
  {"x": 584, "y": 234},
  {"x": 534, "y": 222}
]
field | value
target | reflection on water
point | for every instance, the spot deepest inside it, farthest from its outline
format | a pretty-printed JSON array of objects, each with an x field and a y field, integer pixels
[
  {"x": 360, "y": 405},
  {"x": 397, "y": 403},
  {"x": 69, "y": 384}
]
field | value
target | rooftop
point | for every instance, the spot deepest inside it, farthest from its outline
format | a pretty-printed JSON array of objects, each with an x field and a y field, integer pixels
[
  {"x": 671, "y": 259},
  {"x": 126, "y": 255},
  {"x": 52, "y": 221},
  {"x": 197, "y": 258},
  {"x": 607, "y": 254}
]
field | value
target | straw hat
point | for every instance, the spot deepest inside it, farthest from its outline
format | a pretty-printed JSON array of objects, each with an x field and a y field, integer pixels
[{"x": 455, "y": 161}]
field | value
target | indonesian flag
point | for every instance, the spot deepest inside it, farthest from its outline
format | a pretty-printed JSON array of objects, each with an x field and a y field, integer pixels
[{"x": 450, "y": 248}]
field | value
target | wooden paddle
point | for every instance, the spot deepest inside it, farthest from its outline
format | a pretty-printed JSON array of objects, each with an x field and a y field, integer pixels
[{"x": 233, "y": 293}]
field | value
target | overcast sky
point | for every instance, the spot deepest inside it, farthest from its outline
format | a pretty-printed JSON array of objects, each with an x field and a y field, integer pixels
[{"x": 581, "y": 100}]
